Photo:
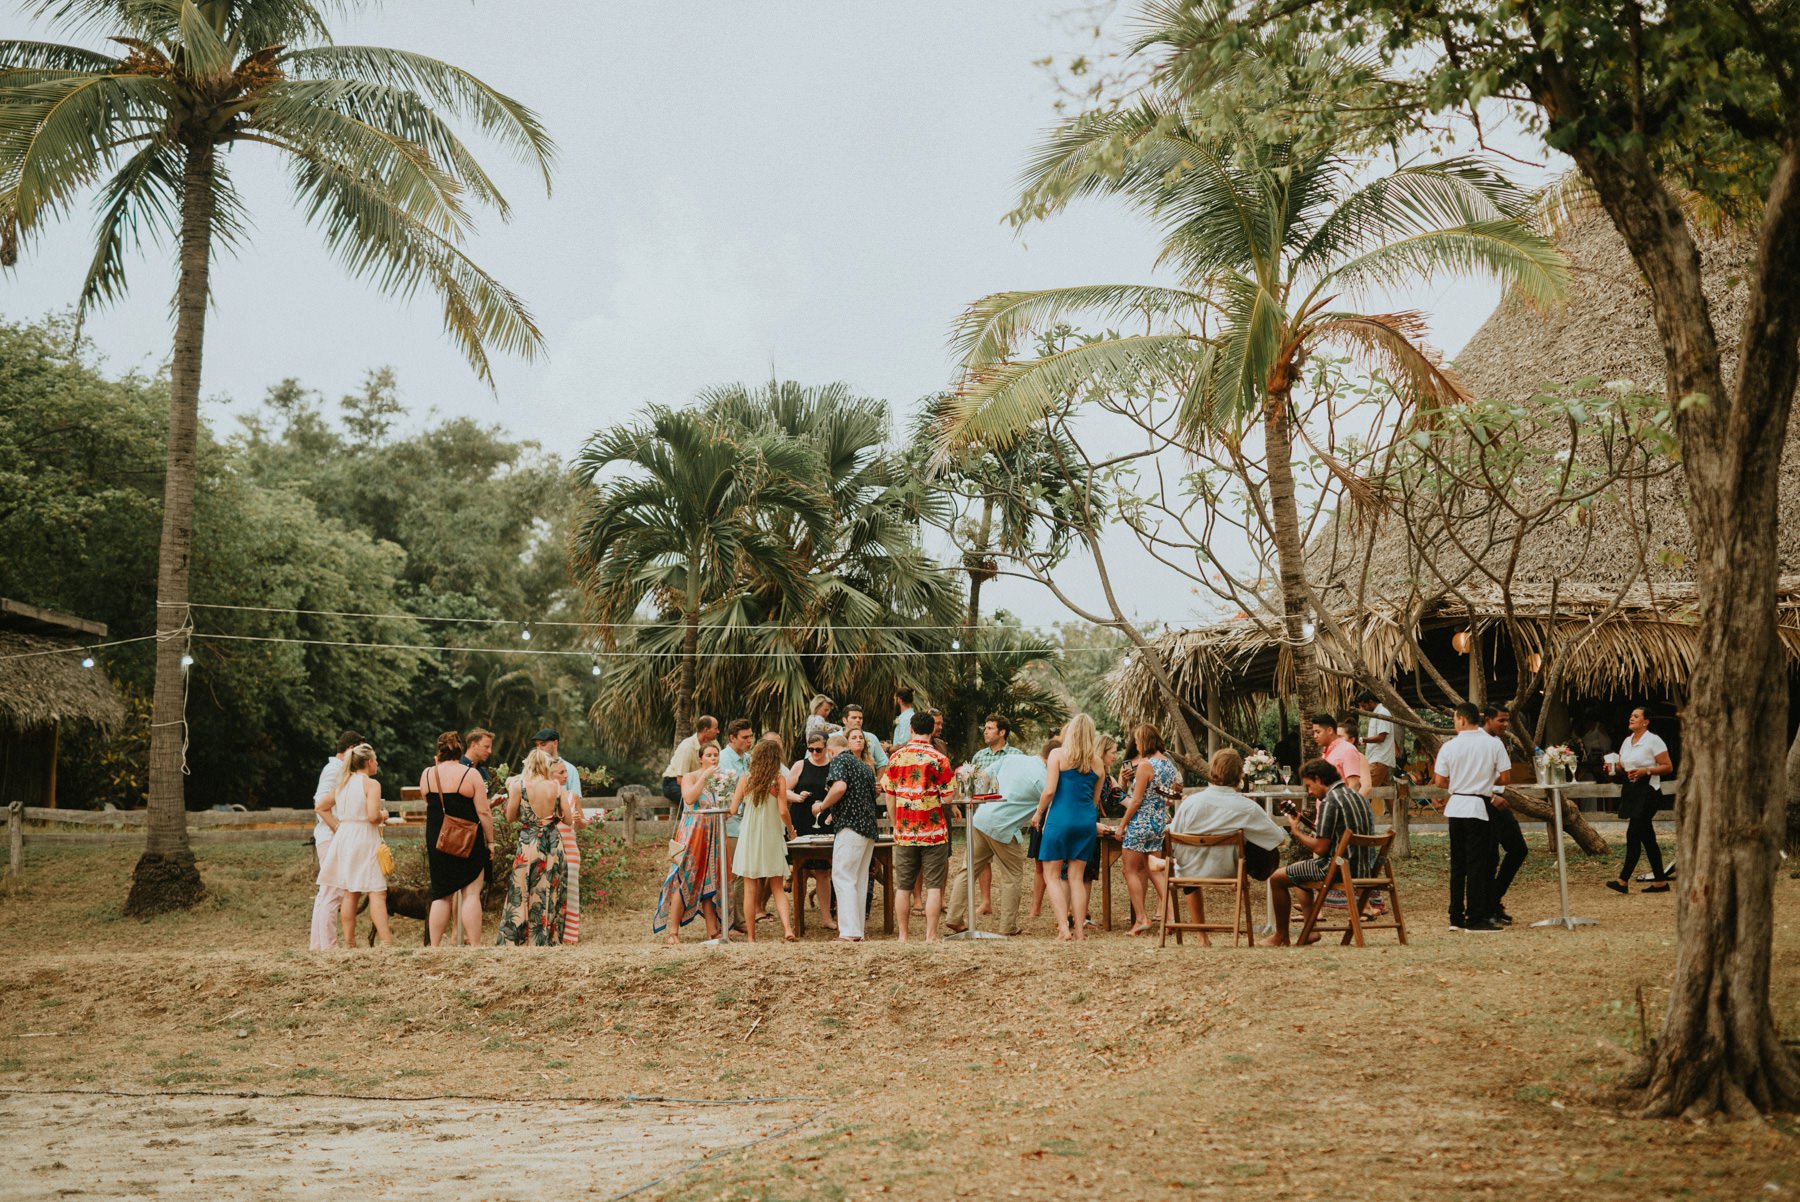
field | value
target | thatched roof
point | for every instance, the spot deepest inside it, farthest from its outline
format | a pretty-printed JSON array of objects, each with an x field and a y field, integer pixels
[
  {"x": 43, "y": 690},
  {"x": 1647, "y": 643},
  {"x": 1603, "y": 331}
]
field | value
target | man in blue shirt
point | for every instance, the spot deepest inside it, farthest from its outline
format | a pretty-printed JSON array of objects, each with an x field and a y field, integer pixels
[
  {"x": 903, "y": 697},
  {"x": 998, "y": 838}
]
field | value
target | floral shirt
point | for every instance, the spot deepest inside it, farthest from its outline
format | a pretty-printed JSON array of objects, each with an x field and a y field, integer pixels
[
  {"x": 918, "y": 777},
  {"x": 856, "y": 810}
]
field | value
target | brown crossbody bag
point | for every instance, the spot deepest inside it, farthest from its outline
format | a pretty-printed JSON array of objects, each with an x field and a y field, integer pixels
[{"x": 456, "y": 837}]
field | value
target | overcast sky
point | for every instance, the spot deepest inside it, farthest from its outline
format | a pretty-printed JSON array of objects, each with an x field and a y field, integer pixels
[{"x": 810, "y": 188}]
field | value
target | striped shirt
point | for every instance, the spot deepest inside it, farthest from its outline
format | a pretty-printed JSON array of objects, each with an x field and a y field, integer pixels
[{"x": 1342, "y": 809}]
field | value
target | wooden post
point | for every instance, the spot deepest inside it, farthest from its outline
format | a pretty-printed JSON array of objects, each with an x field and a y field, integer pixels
[
  {"x": 1402, "y": 817},
  {"x": 15, "y": 829},
  {"x": 1212, "y": 722},
  {"x": 55, "y": 749},
  {"x": 630, "y": 798}
]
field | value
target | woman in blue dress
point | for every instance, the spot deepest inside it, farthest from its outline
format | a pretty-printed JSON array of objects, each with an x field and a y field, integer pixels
[
  {"x": 1068, "y": 814},
  {"x": 1154, "y": 786}
]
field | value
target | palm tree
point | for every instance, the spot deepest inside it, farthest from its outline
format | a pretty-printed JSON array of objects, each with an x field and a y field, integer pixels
[
  {"x": 374, "y": 164},
  {"x": 838, "y": 597},
  {"x": 1269, "y": 244},
  {"x": 696, "y": 506}
]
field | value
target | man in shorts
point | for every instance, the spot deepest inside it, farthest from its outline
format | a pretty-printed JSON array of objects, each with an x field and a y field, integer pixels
[
  {"x": 914, "y": 784},
  {"x": 1341, "y": 808}
]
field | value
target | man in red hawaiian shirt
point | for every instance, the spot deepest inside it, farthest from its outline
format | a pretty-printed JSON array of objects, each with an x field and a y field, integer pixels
[{"x": 914, "y": 784}]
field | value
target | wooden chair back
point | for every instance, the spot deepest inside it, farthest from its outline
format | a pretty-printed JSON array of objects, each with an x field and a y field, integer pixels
[
  {"x": 1358, "y": 889},
  {"x": 1239, "y": 883}
]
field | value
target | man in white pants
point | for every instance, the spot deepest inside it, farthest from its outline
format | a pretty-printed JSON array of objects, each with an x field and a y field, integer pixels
[
  {"x": 850, "y": 799},
  {"x": 325, "y": 920}
]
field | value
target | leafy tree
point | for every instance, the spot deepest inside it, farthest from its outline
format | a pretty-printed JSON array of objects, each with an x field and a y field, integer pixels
[
  {"x": 1273, "y": 241},
  {"x": 1013, "y": 672},
  {"x": 374, "y": 163},
  {"x": 81, "y": 473},
  {"x": 1665, "y": 109}
]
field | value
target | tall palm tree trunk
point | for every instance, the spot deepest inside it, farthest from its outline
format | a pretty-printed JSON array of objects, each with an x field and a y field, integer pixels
[
  {"x": 1290, "y": 554},
  {"x": 690, "y": 660},
  {"x": 977, "y": 562},
  {"x": 166, "y": 877}
]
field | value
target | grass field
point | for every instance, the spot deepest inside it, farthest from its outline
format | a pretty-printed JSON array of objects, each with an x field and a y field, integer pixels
[{"x": 1459, "y": 1066}]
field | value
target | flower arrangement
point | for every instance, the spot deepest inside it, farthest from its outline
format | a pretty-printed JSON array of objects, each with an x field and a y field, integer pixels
[
  {"x": 1260, "y": 768},
  {"x": 1561, "y": 761}
]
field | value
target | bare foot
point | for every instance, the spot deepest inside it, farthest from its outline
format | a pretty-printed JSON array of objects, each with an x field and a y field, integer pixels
[
  {"x": 1063, "y": 936},
  {"x": 671, "y": 941},
  {"x": 984, "y": 908},
  {"x": 1273, "y": 941}
]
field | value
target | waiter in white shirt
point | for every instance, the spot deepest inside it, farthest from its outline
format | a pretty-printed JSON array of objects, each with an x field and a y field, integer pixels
[
  {"x": 328, "y": 901},
  {"x": 1471, "y": 766}
]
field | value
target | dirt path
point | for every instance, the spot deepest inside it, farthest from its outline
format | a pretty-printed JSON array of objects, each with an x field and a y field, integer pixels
[
  {"x": 1459, "y": 1066},
  {"x": 238, "y": 1149}
]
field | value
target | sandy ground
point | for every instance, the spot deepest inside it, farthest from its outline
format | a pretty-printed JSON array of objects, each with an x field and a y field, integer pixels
[
  {"x": 1459, "y": 1066},
  {"x": 63, "y": 1144}
]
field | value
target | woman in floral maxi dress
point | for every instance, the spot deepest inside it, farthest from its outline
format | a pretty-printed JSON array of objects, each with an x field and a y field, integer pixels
[
  {"x": 534, "y": 900},
  {"x": 692, "y": 887}
]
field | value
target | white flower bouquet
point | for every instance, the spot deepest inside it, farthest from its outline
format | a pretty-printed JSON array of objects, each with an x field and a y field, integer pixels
[{"x": 1260, "y": 768}]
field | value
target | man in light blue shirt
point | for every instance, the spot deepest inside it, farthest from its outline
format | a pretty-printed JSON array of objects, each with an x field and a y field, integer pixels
[
  {"x": 853, "y": 720},
  {"x": 734, "y": 757},
  {"x": 998, "y": 838},
  {"x": 903, "y": 697}
]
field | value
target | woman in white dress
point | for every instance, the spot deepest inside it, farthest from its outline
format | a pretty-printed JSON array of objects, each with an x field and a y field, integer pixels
[{"x": 352, "y": 861}]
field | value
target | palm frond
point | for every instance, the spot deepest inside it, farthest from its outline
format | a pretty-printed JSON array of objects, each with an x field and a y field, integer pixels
[
  {"x": 1394, "y": 343},
  {"x": 988, "y": 331},
  {"x": 58, "y": 137},
  {"x": 997, "y": 405},
  {"x": 1524, "y": 262},
  {"x": 498, "y": 115}
]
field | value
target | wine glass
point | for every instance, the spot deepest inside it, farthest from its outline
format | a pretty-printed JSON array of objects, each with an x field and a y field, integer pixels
[{"x": 1287, "y": 773}]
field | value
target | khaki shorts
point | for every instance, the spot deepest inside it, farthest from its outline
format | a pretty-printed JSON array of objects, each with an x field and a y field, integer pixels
[{"x": 913, "y": 860}]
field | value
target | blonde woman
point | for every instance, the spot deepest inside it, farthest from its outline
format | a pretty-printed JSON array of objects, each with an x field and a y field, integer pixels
[
  {"x": 534, "y": 900},
  {"x": 859, "y": 744},
  {"x": 1068, "y": 814},
  {"x": 351, "y": 863},
  {"x": 761, "y": 855}
]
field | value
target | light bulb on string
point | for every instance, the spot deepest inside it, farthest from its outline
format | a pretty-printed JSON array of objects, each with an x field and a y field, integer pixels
[
  {"x": 87, "y": 661},
  {"x": 187, "y": 661},
  {"x": 525, "y": 635},
  {"x": 596, "y": 669}
]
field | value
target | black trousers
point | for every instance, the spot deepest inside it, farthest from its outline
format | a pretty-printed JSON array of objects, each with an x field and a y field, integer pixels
[
  {"x": 1471, "y": 871},
  {"x": 1510, "y": 840},
  {"x": 1640, "y": 835}
]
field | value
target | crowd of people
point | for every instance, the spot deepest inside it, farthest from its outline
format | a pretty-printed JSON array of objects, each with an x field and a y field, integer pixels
[{"x": 1048, "y": 811}]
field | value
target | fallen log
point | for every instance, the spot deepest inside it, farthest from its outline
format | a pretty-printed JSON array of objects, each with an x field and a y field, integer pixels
[{"x": 1535, "y": 805}]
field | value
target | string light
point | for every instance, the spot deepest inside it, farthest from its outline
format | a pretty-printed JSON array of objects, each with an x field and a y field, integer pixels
[
  {"x": 187, "y": 661},
  {"x": 596, "y": 670},
  {"x": 87, "y": 661},
  {"x": 525, "y": 635}
]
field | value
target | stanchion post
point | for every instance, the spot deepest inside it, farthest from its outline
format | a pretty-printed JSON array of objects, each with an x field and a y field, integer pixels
[
  {"x": 1567, "y": 921},
  {"x": 969, "y": 877},
  {"x": 716, "y": 817}
]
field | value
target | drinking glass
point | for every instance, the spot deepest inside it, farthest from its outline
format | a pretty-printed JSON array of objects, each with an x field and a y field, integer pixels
[{"x": 1286, "y": 773}]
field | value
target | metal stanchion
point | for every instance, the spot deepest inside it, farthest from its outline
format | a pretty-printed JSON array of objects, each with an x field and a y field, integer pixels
[
  {"x": 1567, "y": 921},
  {"x": 969, "y": 864},
  {"x": 715, "y": 817}
]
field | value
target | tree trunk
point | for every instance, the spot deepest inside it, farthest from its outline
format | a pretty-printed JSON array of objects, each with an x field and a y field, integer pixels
[
  {"x": 978, "y": 564},
  {"x": 166, "y": 877},
  {"x": 1290, "y": 552},
  {"x": 1719, "y": 1050},
  {"x": 688, "y": 714}
]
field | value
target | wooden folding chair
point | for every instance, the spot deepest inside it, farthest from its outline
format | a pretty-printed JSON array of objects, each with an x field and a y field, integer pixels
[
  {"x": 1357, "y": 889},
  {"x": 1239, "y": 885}
]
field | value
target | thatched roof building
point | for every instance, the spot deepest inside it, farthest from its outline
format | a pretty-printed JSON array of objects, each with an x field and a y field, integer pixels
[
  {"x": 42, "y": 686},
  {"x": 1620, "y": 577}
]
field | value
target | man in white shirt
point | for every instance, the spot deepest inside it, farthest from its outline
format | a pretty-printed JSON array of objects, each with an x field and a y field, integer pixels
[
  {"x": 687, "y": 758},
  {"x": 329, "y": 899},
  {"x": 1508, "y": 838},
  {"x": 1219, "y": 809},
  {"x": 1380, "y": 743},
  {"x": 1470, "y": 766}
]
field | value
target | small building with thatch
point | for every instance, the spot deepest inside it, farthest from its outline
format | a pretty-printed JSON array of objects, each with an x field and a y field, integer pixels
[
  {"x": 1611, "y": 595},
  {"x": 43, "y": 685}
]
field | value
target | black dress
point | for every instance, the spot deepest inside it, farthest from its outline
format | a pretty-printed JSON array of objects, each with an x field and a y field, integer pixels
[
  {"x": 814, "y": 781},
  {"x": 450, "y": 874}
]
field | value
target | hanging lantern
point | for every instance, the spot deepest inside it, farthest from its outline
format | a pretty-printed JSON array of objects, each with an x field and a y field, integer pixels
[
  {"x": 1462, "y": 640},
  {"x": 1535, "y": 662}
]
